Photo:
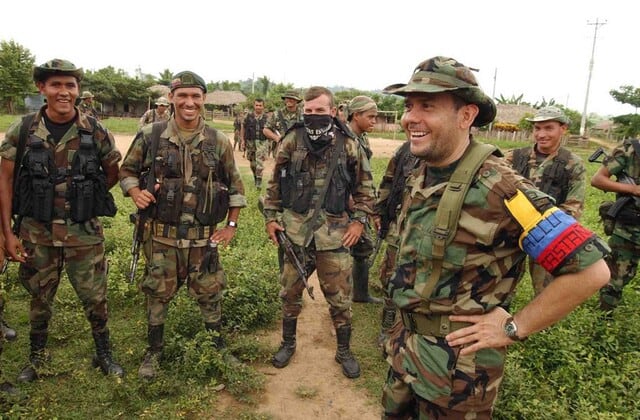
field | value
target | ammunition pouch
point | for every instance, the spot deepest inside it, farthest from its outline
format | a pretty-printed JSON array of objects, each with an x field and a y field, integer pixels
[
  {"x": 169, "y": 200},
  {"x": 338, "y": 192},
  {"x": 35, "y": 184},
  {"x": 213, "y": 204},
  {"x": 629, "y": 215},
  {"x": 301, "y": 192}
]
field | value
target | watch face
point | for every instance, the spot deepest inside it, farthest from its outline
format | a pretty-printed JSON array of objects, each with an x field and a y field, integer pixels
[{"x": 510, "y": 329}]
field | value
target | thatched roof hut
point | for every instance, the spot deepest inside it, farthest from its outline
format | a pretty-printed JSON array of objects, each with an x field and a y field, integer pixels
[
  {"x": 160, "y": 90},
  {"x": 225, "y": 98},
  {"x": 512, "y": 114}
]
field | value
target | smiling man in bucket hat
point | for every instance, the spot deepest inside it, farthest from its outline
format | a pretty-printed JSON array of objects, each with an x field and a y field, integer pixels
[{"x": 454, "y": 274}]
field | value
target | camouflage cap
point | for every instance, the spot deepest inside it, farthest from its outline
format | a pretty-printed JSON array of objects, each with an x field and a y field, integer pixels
[
  {"x": 291, "y": 94},
  {"x": 550, "y": 113},
  {"x": 162, "y": 101},
  {"x": 444, "y": 74},
  {"x": 188, "y": 79},
  {"x": 361, "y": 103},
  {"x": 56, "y": 66},
  {"x": 86, "y": 94}
]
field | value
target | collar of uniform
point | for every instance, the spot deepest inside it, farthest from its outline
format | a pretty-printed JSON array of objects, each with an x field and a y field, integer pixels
[{"x": 174, "y": 136}]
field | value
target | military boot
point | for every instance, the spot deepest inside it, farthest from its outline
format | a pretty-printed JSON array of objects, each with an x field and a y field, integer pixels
[
  {"x": 360, "y": 275},
  {"x": 350, "y": 366},
  {"x": 103, "y": 358},
  {"x": 288, "y": 344},
  {"x": 7, "y": 388},
  {"x": 37, "y": 356},
  {"x": 155, "y": 334},
  {"x": 388, "y": 319},
  {"x": 9, "y": 333}
]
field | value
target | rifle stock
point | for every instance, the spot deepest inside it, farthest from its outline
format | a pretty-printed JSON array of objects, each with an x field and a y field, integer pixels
[
  {"x": 287, "y": 247},
  {"x": 623, "y": 177}
]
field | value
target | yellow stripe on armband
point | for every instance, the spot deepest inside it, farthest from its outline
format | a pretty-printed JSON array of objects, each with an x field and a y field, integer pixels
[{"x": 525, "y": 213}]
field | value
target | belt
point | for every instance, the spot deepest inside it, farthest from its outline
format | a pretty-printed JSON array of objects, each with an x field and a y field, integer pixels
[
  {"x": 433, "y": 325},
  {"x": 182, "y": 231}
]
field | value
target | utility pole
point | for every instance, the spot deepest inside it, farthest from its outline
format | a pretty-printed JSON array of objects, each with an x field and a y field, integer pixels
[{"x": 583, "y": 121}]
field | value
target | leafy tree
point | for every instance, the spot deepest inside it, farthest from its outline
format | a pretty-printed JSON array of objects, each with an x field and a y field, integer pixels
[
  {"x": 513, "y": 100},
  {"x": 111, "y": 85},
  {"x": 165, "y": 77},
  {"x": 627, "y": 95},
  {"x": 16, "y": 70},
  {"x": 628, "y": 126}
]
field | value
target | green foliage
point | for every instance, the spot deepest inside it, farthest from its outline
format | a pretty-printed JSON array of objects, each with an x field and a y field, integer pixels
[
  {"x": 628, "y": 126},
  {"x": 111, "y": 85},
  {"x": 16, "y": 69},
  {"x": 627, "y": 95}
]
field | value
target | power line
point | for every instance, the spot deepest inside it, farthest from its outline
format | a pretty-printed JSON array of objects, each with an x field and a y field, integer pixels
[{"x": 583, "y": 121}]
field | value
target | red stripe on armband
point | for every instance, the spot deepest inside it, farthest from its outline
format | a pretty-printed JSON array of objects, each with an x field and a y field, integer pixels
[{"x": 563, "y": 247}]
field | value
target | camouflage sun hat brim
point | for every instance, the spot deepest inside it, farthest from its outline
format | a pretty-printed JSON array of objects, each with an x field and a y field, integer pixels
[
  {"x": 188, "y": 79},
  {"x": 291, "y": 95},
  {"x": 361, "y": 103},
  {"x": 86, "y": 94},
  {"x": 550, "y": 113},
  {"x": 444, "y": 74},
  {"x": 162, "y": 101},
  {"x": 56, "y": 66}
]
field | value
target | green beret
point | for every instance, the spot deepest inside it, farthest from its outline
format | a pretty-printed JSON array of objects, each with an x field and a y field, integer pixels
[
  {"x": 56, "y": 66},
  {"x": 444, "y": 74},
  {"x": 188, "y": 79}
]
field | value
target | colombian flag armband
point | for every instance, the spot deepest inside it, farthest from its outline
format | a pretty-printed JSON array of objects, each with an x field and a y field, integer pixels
[{"x": 550, "y": 237}]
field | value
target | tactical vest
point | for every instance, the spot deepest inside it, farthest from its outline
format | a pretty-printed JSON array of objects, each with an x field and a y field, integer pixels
[
  {"x": 39, "y": 171},
  {"x": 404, "y": 165},
  {"x": 555, "y": 177},
  {"x": 205, "y": 197},
  {"x": 253, "y": 127},
  {"x": 297, "y": 179}
]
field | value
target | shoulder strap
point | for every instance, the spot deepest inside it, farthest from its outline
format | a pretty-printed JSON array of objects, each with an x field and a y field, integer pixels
[
  {"x": 521, "y": 161},
  {"x": 27, "y": 121},
  {"x": 332, "y": 168},
  {"x": 450, "y": 206},
  {"x": 156, "y": 131}
]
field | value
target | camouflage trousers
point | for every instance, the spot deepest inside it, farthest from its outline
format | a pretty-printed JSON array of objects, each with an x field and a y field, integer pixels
[
  {"x": 87, "y": 272},
  {"x": 429, "y": 379},
  {"x": 365, "y": 246},
  {"x": 334, "y": 271},
  {"x": 167, "y": 270},
  {"x": 540, "y": 278},
  {"x": 236, "y": 140},
  {"x": 387, "y": 268},
  {"x": 623, "y": 264},
  {"x": 261, "y": 154}
]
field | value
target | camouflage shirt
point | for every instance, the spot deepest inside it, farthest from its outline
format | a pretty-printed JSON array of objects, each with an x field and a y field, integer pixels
[
  {"x": 576, "y": 178},
  {"x": 88, "y": 109},
  {"x": 333, "y": 227},
  {"x": 137, "y": 162},
  {"x": 624, "y": 159},
  {"x": 282, "y": 120},
  {"x": 152, "y": 115},
  {"x": 63, "y": 232}
]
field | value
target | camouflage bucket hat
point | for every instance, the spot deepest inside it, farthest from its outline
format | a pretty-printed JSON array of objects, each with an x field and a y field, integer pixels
[
  {"x": 56, "y": 66},
  {"x": 550, "y": 113},
  {"x": 162, "y": 101},
  {"x": 291, "y": 94},
  {"x": 86, "y": 94},
  {"x": 188, "y": 79},
  {"x": 361, "y": 104},
  {"x": 444, "y": 74}
]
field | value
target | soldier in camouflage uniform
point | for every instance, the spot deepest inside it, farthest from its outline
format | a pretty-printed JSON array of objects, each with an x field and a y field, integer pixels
[
  {"x": 625, "y": 238},
  {"x": 362, "y": 114},
  {"x": 387, "y": 208},
  {"x": 86, "y": 104},
  {"x": 283, "y": 119},
  {"x": 314, "y": 214},
  {"x": 61, "y": 230},
  {"x": 254, "y": 141},
  {"x": 554, "y": 170},
  {"x": 160, "y": 113},
  {"x": 237, "y": 125},
  {"x": 447, "y": 356},
  {"x": 198, "y": 186}
]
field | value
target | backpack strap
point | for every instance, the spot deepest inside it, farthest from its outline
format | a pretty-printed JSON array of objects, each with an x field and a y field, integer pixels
[
  {"x": 450, "y": 206},
  {"x": 521, "y": 161}
]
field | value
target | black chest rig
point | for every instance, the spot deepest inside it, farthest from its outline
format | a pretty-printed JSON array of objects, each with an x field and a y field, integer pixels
[
  {"x": 204, "y": 197},
  {"x": 555, "y": 177}
]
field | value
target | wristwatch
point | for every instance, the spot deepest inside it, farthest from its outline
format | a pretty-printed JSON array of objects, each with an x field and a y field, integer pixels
[
  {"x": 362, "y": 220},
  {"x": 511, "y": 330},
  {"x": 232, "y": 224}
]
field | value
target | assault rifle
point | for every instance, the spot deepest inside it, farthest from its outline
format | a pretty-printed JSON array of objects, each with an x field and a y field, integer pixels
[
  {"x": 623, "y": 177},
  {"x": 287, "y": 247}
]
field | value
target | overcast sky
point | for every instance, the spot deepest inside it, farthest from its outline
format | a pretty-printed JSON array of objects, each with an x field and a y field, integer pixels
[{"x": 539, "y": 48}]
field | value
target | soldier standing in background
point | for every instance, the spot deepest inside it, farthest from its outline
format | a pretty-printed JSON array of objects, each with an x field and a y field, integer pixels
[
  {"x": 198, "y": 187},
  {"x": 160, "y": 113},
  {"x": 362, "y": 114},
  {"x": 318, "y": 167},
  {"x": 237, "y": 125},
  {"x": 460, "y": 257},
  {"x": 86, "y": 104},
  {"x": 283, "y": 119},
  {"x": 625, "y": 238},
  {"x": 64, "y": 163},
  {"x": 254, "y": 140},
  {"x": 554, "y": 170}
]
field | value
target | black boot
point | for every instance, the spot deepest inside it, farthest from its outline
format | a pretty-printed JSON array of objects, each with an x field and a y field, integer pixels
[
  {"x": 103, "y": 358},
  {"x": 288, "y": 344},
  {"x": 7, "y": 388},
  {"x": 360, "y": 275},
  {"x": 37, "y": 357},
  {"x": 388, "y": 319},
  {"x": 350, "y": 366},
  {"x": 155, "y": 334},
  {"x": 9, "y": 333}
]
